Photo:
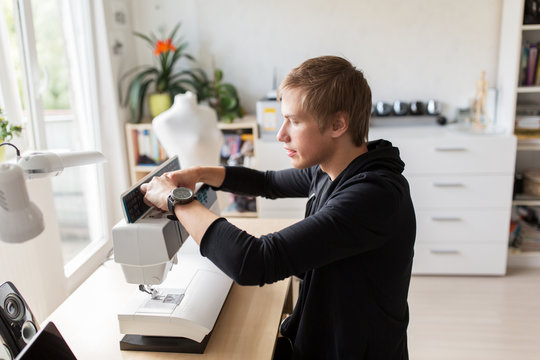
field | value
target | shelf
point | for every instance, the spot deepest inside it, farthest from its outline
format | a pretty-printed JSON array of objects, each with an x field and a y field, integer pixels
[
  {"x": 247, "y": 122},
  {"x": 518, "y": 258},
  {"x": 530, "y": 27},
  {"x": 526, "y": 200},
  {"x": 144, "y": 168},
  {"x": 528, "y": 143},
  {"x": 245, "y": 214},
  {"x": 528, "y": 89}
]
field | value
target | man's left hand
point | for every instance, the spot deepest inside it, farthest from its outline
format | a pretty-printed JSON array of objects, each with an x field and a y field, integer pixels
[{"x": 157, "y": 190}]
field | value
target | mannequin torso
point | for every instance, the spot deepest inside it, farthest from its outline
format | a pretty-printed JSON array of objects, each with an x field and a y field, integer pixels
[{"x": 190, "y": 131}]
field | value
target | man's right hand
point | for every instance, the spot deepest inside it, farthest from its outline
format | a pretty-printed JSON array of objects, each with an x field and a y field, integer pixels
[{"x": 211, "y": 175}]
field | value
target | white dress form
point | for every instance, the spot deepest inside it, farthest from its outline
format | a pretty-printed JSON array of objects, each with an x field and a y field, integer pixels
[{"x": 190, "y": 131}]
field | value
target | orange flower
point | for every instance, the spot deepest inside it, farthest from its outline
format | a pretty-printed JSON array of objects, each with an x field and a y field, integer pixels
[{"x": 164, "y": 46}]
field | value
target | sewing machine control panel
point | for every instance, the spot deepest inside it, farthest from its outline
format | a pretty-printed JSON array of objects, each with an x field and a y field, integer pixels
[{"x": 133, "y": 199}]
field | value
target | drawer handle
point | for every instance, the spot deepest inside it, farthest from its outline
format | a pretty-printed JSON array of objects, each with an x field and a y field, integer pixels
[
  {"x": 445, "y": 218},
  {"x": 450, "y": 148},
  {"x": 444, "y": 252},
  {"x": 448, "y": 184}
]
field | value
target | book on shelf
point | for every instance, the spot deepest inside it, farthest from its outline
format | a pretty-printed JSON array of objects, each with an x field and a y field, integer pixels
[
  {"x": 146, "y": 148},
  {"x": 525, "y": 229},
  {"x": 532, "y": 63},
  {"x": 529, "y": 74},
  {"x": 237, "y": 149},
  {"x": 527, "y": 121}
]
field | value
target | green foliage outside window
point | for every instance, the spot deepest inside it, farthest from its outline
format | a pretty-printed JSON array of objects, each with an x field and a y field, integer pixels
[{"x": 7, "y": 130}]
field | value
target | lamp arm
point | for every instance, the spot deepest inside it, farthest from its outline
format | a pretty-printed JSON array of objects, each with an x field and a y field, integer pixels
[{"x": 16, "y": 148}]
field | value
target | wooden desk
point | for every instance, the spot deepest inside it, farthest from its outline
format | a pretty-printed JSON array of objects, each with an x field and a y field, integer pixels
[{"x": 246, "y": 328}]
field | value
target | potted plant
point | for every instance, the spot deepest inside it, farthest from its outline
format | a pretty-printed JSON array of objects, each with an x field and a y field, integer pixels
[
  {"x": 7, "y": 131},
  {"x": 223, "y": 98},
  {"x": 161, "y": 79}
]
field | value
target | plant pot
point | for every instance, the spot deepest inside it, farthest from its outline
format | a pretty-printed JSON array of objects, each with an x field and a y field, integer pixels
[
  {"x": 2, "y": 151},
  {"x": 158, "y": 103}
]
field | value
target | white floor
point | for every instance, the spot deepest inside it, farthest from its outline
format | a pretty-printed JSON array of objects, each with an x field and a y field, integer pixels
[{"x": 470, "y": 318}]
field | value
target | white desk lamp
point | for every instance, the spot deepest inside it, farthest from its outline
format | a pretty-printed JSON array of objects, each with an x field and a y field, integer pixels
[{"x": 20, "y": 218}]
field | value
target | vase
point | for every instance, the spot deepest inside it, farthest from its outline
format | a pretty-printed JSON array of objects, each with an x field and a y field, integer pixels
[
  {"x": 189, "y": 130},
  {"x": 158, "y": 103}
]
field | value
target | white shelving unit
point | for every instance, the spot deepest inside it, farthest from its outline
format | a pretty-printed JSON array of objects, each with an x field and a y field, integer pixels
[
  {"x": 134, "y": 149},
  {"x": 513, "y": 34},
  {"x": 247, "y": 129},
  {"x": 246, "y": 126}
]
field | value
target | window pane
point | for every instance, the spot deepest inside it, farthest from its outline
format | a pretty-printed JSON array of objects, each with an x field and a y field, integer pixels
[
  {"x": 77, "y": 209},
  {"x": 62, "y": 128}
]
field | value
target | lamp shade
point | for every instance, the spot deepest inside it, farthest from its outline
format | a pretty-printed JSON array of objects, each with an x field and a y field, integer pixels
[
  {"x": 45, "y": 163},
  {"x": 20, "y": 218}
]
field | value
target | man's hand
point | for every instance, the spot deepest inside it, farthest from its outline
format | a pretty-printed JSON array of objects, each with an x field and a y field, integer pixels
[
  {"x": 186, "y": 177},
  {"x": 194, "y": 216},
  {"x": 157, "y": 190}
]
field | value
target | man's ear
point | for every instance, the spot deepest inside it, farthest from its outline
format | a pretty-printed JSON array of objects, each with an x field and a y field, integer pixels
[{"x": 340, "y": 124}]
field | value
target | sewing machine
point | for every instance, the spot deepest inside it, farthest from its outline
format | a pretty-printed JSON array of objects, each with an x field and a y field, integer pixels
[{"x": 179, "y": 315}]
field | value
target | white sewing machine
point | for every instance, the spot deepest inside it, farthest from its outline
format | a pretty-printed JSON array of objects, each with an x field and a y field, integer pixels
[{"x": 180, "y": 315}]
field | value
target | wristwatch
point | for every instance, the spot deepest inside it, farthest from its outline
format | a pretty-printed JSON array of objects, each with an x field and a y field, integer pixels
[{"x": 180, "y": 195}]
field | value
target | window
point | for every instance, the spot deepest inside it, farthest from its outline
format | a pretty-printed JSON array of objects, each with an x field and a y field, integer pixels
[{"x": 53, "y": 76}]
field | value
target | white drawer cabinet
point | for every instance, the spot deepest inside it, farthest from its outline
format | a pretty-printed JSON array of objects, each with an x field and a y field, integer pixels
[
  {"x": 457, "y": 154},
  {"x": 461, "y": 186},
  {"x": 460, "y": 191},
  {"x": 460, "y": 225},
  {"x": 460, "y": 259}
]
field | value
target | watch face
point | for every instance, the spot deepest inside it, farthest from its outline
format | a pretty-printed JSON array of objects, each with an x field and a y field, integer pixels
[{"x": 182, "y": 194}]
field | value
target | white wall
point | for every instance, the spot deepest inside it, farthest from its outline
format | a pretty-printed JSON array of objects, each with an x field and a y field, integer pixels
[
  {"x": 36, "y": 266},
  {"x": 414, "y": 49}
]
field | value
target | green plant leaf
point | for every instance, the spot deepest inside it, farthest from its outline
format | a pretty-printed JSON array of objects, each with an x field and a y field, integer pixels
[
  {"x": 218, "y": 75},
  {"x": 142, "y": 97},
  {"x": 144, "y": 37},
  {"x": 135, "y": 84},
  {"x": 227, "y": 90},
  {"x": 181, "y": 47},
  {"x": 124, "y": 77},
  {"x": 228, "y": 104},
  {"x": 137, "y": 93},
  {"x": 177, "y": 88},
  {"x": 174, "y": 30}
]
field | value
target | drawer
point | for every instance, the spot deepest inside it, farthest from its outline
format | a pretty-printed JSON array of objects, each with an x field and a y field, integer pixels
[
  {"x": 463, "y": 225},
  {"x": 459, "y": 259},
  {"x": 458, "y": 155},
  {"x": 461, "y": 191}
]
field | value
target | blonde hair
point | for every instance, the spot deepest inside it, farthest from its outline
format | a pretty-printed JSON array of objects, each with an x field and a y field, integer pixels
[{"x": 330, "y": 85}]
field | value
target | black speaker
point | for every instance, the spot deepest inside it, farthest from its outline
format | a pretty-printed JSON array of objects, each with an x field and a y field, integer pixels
[{"x": 17, "y": 323}]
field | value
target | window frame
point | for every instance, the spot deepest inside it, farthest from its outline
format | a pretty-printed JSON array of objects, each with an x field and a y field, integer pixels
[{"x": 93, "y": 255}]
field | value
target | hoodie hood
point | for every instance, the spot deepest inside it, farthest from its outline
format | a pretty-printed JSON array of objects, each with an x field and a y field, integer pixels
[{"x": 381, "y": 156}]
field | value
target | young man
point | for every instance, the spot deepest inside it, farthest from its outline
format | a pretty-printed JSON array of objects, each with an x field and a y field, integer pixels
[{"x": 354, "y": 249}]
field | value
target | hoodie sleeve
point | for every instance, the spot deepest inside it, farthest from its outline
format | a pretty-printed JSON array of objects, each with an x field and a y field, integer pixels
[
  {"x": 357, "y": 220},
  {"x": 270, "y": 184}
]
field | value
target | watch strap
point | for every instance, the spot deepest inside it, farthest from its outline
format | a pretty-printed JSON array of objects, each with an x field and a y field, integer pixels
[{"x": 171, "y": 204}]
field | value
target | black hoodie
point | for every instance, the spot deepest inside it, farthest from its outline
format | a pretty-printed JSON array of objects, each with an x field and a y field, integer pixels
[{"x": 353, "y": 252}]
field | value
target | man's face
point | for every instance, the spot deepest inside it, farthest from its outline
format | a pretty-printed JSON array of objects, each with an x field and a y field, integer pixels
[{"x": 304, "y": 143}]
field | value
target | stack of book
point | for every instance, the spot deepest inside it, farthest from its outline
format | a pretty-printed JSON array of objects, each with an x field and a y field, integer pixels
[
  {"x": 529, "y": 74},
  {"x": 147, "y": 149},
  {"x": 529, "y": 237},
  {"x": 527, "y": 120},
  {"x": 237, "y": 150},
  {"x": 525, "y": 229}
]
